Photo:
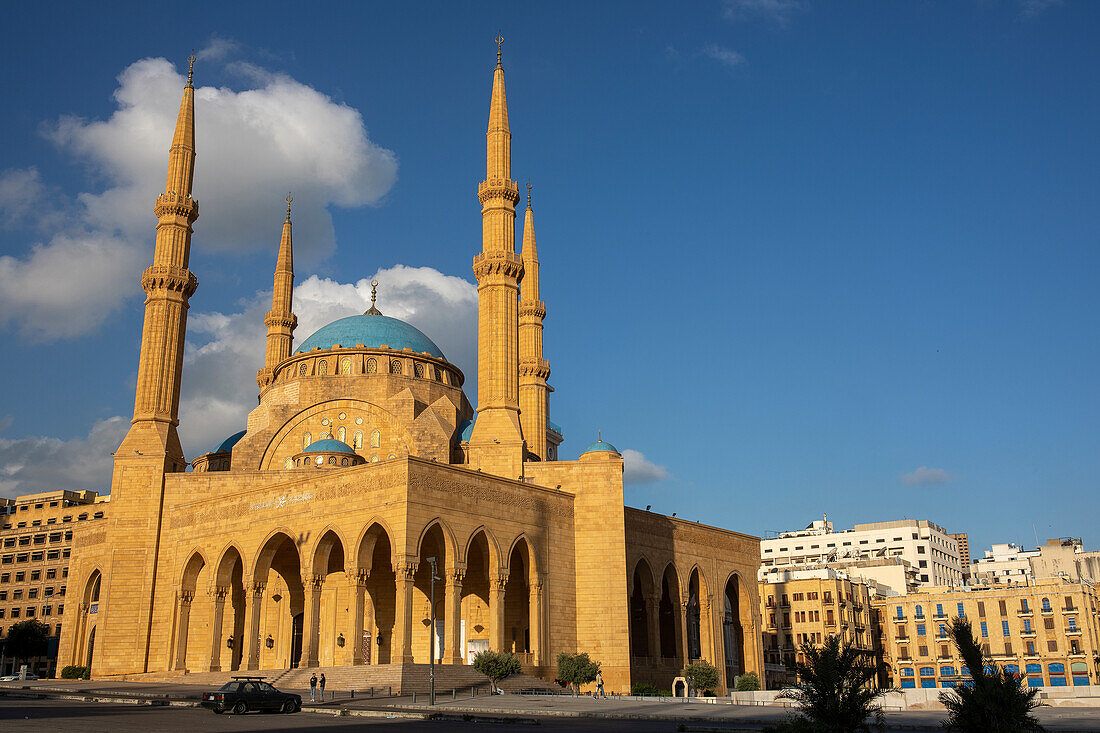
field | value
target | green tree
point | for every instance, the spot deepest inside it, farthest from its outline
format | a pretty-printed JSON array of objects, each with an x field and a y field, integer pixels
[
  {"x": 28, "y": 639},
  {"x": 576, "y": 669},
  {"x": 701, "y": 676},
  {"x": 833, "y": 689},
  {"x": 496, "y": 665},
  {"x": 747, "y": 682},
  {"x": 994, "y": 701}
]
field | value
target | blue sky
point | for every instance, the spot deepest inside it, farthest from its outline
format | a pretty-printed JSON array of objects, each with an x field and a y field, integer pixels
[{"x": 803, "y": 257}]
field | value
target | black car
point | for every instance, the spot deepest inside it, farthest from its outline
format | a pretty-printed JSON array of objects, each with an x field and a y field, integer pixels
[{"x": 242, "y": 694}]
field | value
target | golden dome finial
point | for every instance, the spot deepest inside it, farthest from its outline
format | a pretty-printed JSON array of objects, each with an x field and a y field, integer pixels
[
  {"x": 499, "y": 40},
  {"x": 373, "y": 295},
  {"x": 289, "y": 201},
  {"x": 191, "y": 68},
  {"x": 528, "y": 193}
]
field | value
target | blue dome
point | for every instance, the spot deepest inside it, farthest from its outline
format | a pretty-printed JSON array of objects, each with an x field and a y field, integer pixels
[
  {"x": 466, "y": 429},
  {"x": 371, "y": 331},
  {"x": 600, "y": 445},
  {"x": 228, "y": 443},
  {"x": 328, "y": 445}
]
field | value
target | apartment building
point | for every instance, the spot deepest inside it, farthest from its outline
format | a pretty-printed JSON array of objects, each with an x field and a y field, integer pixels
[
  {"x": 810, "y": 605},
  {"x": 1066, "y": 558},
  {"x": 962, "y": 540},
  {"x": 36, "y": 537},
  {"x": 1048, "y": 633},
  {"x": 1004, "y": 564},
  {"x": 926, "y": 546}
]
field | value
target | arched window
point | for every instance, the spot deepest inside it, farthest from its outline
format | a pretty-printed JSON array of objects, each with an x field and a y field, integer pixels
[
  {"x": 392, "y": 455},
  {"x": 325, "y": 436},
  {"x": 306, "y": 440},
  {"x": 375, "y": 439},
  {"x": 320, "y": 460},
  {"x": 332, "y": 460},
  {"x": 288, "y": 463},
  {"x": 345, "y": 365},
  {"x": 395, "y": 366},
  {"x": 418, "y": 370},
  {"x": 341, "y": 434},
  {"x": 1046, "y": 604},
  {"x": 928, "y": 671},
  {"x": 303, "y": 369},
  {"x": 372, "y": 366},
  {"x": 374, "y": 459},
  {"x": 343, "y": 461},
  {"x": 358, "y": 440},
  {"x": 438, "y": 375},
  {"x": 920, "y": 611},
  {"x": 322, "y": 367}
]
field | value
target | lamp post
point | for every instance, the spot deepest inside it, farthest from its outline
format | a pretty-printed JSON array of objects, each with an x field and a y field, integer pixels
[{"x": 431, "y": 635}]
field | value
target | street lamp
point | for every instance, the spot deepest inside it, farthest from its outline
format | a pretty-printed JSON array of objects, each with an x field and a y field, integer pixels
[{"x": 431, "y": 636}]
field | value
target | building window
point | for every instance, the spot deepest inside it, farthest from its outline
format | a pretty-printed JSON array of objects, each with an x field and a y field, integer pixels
[
  {"x": 372, "y": 366},
  {"x": 288, "y": 463},
  {"x": 1048, "y": 624},
  {"x": 1003, "y": 608},
  {"x": 332, "y": 460},
  {"x": 303, "y": 369},
  {"x": 358, "y": 439},
  {"x": 939, "y": 609},
  {"x": 375, "y": 439},
  {"x": 920, "y": 630},
  {"x": 920, "y": 611},
  {"x": 341, "y": 434},
  {"x": 395, "y": 366},
  {"x": 1071, "y": 622},
  {"x": 306, "y": 440},
  {"x": 1004, "y": 628},
  {"x": 962, "y": 613},
  {"x": 1046, "y": 605},
  {"x": 374, "y": 459},
  {"x": 418, "y": 370},
  {"x": 1052, "y": 645},
  {"x": 322, "y": 367},
  {"x": 985, "y": 630},
  {"x": 1027, "y": 626},
  {"x": 345, "y": 366}
]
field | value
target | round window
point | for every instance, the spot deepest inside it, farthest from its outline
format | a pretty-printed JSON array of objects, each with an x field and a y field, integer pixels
[
  {"x": 320, "y": 460},
  {"x": 343, "y": 416}
]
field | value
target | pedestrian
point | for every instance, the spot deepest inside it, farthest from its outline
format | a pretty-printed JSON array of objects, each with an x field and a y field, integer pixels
[
  {"x": 313, "y": 688},
  {"x": 599, "y": 685},
  {"x": 322, "y": 687}
]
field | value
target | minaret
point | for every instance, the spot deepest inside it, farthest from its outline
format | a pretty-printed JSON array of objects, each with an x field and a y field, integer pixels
[
  {"x": 533, "y": 369},
  {"x": 151, "y": 449},
  {"x": 280, "y": 320},
  {"x": 496, "y": 444}
]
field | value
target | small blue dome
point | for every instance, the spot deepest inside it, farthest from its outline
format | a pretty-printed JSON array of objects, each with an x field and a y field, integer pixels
[
  {"x": 600, "y": 445},
  {"x": 228, "y": 443},
  {"x": 466, "y": 429},
  {"x": 328, "y": 445},
  {"x": 371, "y": 331}
]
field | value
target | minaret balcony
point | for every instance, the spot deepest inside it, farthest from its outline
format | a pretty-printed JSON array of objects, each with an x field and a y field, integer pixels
[
  {"x": 498, "y": 188},
  {"x": 506, "y": 264}
]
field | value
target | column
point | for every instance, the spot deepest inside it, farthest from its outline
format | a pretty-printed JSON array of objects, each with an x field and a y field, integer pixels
[
  {"x": 357, "y": 584},
  {"x": 452, "y": 637},
  {"x": 496, "y": 612},
  {"x": 535, "y": 611},
  {"x": 311, "y": 622},
  {"x": 79, "y": 643},
  {"x": 684, "y": 631},
  {"x": 184, "y": 618},
  {"x": 217, "y": 595},
  {"x": 252, "y": 602},
  {"x": 401, "y": 644},
  {"x": 653, "y": 617}
]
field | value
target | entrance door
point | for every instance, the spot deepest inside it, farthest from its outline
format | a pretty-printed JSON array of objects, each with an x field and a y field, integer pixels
[
  {"x": 473, "y": 647},
  {"x": 296, "y": 641},
  {"x": 366, "y": 647},
  {"x": 91, "y": 646}
]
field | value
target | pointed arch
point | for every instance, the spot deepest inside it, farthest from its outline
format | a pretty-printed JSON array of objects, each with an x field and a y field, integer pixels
[
  {"x": 531, "y": 557},
  {"x": 450, "y": 546},
  {"x": 189, "y": 573},
  {"x": 261, "y": 564},
  {"x": 372, "y": 531},
  {"x": 490, "y": 542},
  {"x": 643, "y": 570},
  {"x": 222, "y": 573},
  {"x": 321, "y": 555}
]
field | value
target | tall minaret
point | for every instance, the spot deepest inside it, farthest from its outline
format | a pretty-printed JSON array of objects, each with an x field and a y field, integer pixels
[
  {"x": 496, "y": 444},
  {"x": 151, "y": 449},
  {"x": 280, "y": 320},
  {"x": 533, "y": 369}
]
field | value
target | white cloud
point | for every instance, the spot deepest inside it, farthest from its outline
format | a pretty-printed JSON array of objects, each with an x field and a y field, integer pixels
[
  {"x": 33, "y": 464},
  {"x": 925, "y": 476},
  {"x": 776, "y": 11},
  {"x": 252, "y": 146},
  {"x": 224, "y": 350},
  {"x": 637, "y": 469},
  {"x": 725, "y": 56}
]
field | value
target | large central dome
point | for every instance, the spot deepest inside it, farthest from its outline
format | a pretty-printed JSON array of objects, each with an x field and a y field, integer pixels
[{"x": 372, "y": 331}]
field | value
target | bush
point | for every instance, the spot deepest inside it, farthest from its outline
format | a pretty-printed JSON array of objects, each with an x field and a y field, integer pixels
[
  {"x": 747, "y": 682},
  {"x": 701, "y": 676},
  {"x": 496, "y": 665},
  {"x": 834, "y": 690},
  {"x": 73, "y": 672},
  {"x": 576, "y": 669},
  {"x": 644, "y": 689}
]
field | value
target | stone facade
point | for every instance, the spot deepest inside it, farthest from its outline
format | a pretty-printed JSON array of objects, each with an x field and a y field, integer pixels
[{"x": 365, "y": 484}]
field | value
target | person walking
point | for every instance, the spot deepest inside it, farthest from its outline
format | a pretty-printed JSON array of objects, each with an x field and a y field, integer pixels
[
  {"x": 599, "y": 685},
  {"x": 313, "y": 688},
  {"x": 322, "y": 687}
]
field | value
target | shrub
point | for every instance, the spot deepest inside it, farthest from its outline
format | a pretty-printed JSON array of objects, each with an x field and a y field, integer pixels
[
  {"x": 496, "y": 665},
  {"x": 833, "y": 689},
  {"x": 644, "y": 689},
  {"x": 701, "y": 676},
  {"x": 747, "y": 682},
  {"x": 74, "y": 672},
  {"x": 576, "y": 669}
]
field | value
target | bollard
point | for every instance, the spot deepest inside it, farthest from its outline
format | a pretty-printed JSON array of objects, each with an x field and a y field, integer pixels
[
  {"x": 372, "y": 692},
  {"x": 414, "y": 698},
  {"x": 454, "y": 694}
]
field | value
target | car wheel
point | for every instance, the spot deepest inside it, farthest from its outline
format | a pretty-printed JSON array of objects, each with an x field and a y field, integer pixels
[
  {"x": 288, "y": 706},
  {"x": 217, "y": 711},
  {"x": 240, "y": 709}
]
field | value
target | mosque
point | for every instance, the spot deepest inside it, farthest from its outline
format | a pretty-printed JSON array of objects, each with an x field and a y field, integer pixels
[{"x": 365, "y": 483}]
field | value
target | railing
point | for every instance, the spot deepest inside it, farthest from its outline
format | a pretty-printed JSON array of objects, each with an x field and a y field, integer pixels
[{"x": 1070, "y": 609}]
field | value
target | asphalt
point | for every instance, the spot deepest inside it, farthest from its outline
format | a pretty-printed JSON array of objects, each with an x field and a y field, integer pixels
[{"x": 502, "y": 710}]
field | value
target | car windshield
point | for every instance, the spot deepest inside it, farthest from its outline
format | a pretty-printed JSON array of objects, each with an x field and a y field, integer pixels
[{"x": 229, "y": 687}]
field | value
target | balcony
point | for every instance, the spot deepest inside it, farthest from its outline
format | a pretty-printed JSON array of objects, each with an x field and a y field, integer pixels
[
  {"x": 1024, "y": 612},
  {"x": 1028, "y": 633},
  {"x": 1071, "y": 609},
  {"x": 1075, "y": 631},
  {"x": 940, "y": 617}
]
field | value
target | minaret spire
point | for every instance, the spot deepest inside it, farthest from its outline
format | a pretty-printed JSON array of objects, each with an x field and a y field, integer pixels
[
  {"x": 533, "y": 369},
  {"x": 280, "y": 320},
  {"x": 496, "y": 444}
]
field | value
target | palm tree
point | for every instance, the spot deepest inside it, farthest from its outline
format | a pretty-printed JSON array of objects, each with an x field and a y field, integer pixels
[
  {"x": 834, "y": 688},
  {"x": 991, "y": 700}
]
